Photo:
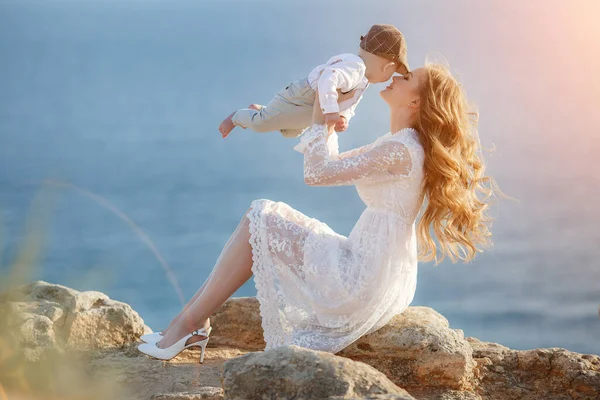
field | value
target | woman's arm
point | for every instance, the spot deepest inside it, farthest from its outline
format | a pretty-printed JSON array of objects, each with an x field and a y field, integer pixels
[{"x": 384, "y": 161}]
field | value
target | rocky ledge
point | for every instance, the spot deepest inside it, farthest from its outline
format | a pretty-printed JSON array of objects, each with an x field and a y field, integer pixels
[{"x": 416, "y": 356}]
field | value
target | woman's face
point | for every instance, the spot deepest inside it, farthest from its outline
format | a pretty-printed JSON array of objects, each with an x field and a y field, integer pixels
[{"x": 404, "y": 89}]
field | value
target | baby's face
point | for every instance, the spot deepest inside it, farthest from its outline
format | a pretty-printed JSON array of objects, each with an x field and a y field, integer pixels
[
  {"x": 379, "y": 69},
  {"x": 388, "y": 72}
]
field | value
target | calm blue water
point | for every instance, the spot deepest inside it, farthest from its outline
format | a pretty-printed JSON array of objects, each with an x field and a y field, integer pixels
[{"x": 124, "y": 98}]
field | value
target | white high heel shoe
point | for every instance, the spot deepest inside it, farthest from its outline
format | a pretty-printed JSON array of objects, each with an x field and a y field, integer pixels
[
  {"x": 151, "y": 337},
  {"x": 166, "y": 354}
]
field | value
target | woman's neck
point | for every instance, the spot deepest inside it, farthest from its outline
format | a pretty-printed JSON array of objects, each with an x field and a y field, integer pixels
[{"x": 401, "y": 118}]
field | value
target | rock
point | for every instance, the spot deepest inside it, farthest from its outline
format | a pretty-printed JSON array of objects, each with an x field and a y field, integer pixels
[
  {"x": 417, "y": 349},
  {"x": 36, "y": 336},
  {"x": 377, "y": 397},
  {"x": 46, "y": 316},
  {"x": 40, "y": 290},
  {"x": 147, "y": 377},
  {"x": 445, "y": 395},
  {"x": 178, "y": 386},
  {"x": 109, "y": 323},
  {"x": 36, "y": 330},
  {"x": 552, "y": 373},
  {"x": 292, "y": 372},
  {"x": 237, "y": 323},
  {"x": 205, "y": 393}
]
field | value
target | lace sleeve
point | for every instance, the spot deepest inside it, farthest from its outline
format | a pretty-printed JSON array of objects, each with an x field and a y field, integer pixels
[
  {"x": 385, "y": 161},
  {"x": 334, "y": 152},
  {"x": 356, "y": 151}
]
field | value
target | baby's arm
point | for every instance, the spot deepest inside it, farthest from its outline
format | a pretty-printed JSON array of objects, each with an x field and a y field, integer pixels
[
  {"x": 345, "y": 117},
  {"x": 343, "y": 75},
  {"x": 348, "y": 113}
]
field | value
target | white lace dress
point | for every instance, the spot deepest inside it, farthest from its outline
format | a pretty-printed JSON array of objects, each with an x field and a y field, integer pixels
[{"x": 319, "y": 289}]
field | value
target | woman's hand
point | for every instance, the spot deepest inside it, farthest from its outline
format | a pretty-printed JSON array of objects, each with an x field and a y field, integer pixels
[{"x": 341, "y": 125}]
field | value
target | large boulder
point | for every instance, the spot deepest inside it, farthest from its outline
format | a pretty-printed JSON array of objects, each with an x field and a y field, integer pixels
[
  {"x": 417, "y": 349},
  {"x": 292, "y": 372},
  {"x": 554, "y": 373},
  {"x": 49, "y": 316}
]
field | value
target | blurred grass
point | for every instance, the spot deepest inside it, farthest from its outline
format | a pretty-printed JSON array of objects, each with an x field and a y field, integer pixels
[{"x": 56, "y": 374}]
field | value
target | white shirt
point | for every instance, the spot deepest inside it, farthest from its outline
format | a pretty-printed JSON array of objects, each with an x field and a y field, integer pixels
[{"x": 345, "y": 72}]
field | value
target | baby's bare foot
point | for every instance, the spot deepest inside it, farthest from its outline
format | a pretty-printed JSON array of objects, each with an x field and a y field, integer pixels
[
  {"x": 227, "y": 126},
  {"x": 256, "y": 107}
]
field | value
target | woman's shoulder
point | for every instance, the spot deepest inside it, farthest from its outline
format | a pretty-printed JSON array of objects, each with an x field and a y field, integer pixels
[{"x": 407, "y": 136}]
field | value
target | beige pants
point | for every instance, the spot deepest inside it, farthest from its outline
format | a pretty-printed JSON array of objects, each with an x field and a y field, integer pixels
[{"x": 290, "y": 111}]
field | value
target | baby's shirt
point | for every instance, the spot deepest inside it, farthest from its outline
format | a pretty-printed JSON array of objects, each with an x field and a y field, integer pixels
[{"x": 345, "y": 72}]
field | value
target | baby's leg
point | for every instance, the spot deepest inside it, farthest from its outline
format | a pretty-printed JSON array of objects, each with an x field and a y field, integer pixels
[
  {"x": 302, "y": 119},
  {"x": 273, "y": 117},
  {"x": 290, "y": 111}
]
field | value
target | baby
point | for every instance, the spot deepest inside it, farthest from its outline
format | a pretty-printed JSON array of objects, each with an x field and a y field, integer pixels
[{"x": 382, "y": 52}]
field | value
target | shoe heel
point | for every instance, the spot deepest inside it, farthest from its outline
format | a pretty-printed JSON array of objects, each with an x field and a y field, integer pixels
[{"x": 203, "y": 346}]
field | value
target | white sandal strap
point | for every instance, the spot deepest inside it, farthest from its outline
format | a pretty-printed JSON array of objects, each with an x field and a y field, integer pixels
[{"x": 202, "y": 331}]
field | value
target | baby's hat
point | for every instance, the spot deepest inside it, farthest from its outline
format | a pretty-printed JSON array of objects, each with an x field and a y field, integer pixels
[{"x": 388, "y": 42}]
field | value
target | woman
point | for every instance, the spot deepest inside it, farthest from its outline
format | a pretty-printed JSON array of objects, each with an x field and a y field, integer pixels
[{"x": 322, "y": 290}]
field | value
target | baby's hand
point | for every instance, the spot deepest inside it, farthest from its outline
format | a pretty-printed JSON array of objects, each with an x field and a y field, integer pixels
[
  {"x": 332, "y": 118},
  {"x": 341, "y": 125}
]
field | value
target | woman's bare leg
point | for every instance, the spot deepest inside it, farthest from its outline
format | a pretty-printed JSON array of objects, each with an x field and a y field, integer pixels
[
  {"x": 192, "y": 300},
  {"x": 199, "y": 292},
  {"x": 232, "y": 269}
]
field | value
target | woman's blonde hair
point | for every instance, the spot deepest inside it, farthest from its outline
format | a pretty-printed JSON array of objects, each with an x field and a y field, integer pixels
[{"x": 455, "y": 187}]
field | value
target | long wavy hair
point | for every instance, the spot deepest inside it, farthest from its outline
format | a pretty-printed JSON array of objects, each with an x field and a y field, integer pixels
[{"x": 455, "y": 187}]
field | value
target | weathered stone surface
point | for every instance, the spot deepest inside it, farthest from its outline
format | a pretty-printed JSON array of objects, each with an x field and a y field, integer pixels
[
  {"x": 107, "y": 323},
  {"x": 147, "y": 377},
  {"x": 444, "y": 394},
  {"x": 417, "y": 349},
  {"x": 552, "y": 373},
  {"x": 237, "y": 323},
  {"x": 292, "y": 372},
  {"x": 205, "y": 393},
  {"x": 47, "y": 316}
]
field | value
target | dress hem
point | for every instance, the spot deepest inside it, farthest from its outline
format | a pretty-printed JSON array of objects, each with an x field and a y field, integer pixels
[{"x": 272, "y": 331}]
